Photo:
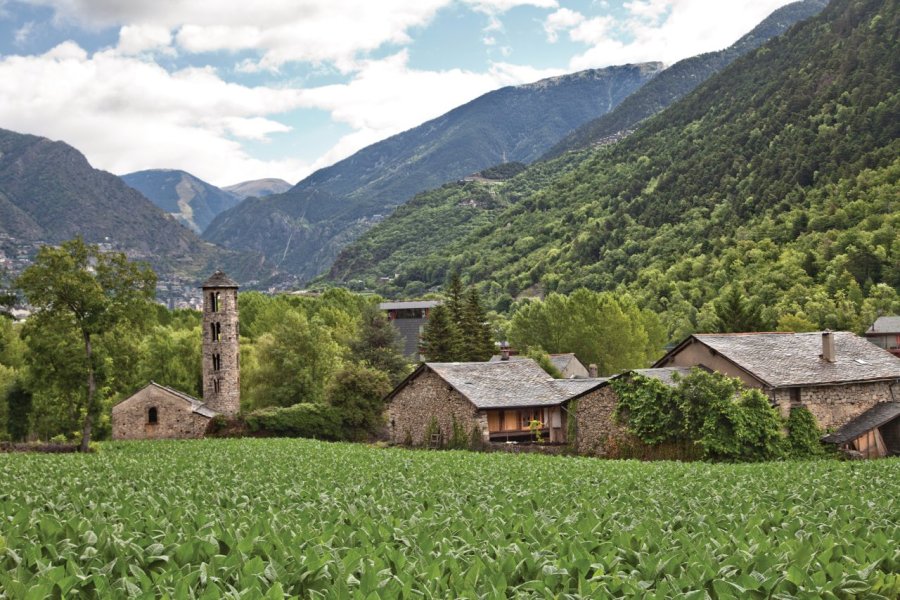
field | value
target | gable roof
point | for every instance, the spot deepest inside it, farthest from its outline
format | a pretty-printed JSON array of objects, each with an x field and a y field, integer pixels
[
  {"x": 878, "y": 415},
  {"x": 561, "y": 361},
  {"x": 219, "y": 280},
  {"x": 793, "y": 359},
  {"x": 889, "y": 324},
  {"x": 197, "y": 406},
  {"x": 504, "y": 384}
]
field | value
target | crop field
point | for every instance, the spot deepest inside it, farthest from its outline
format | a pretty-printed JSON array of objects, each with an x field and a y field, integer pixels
[{"x": 298, "y": 518}]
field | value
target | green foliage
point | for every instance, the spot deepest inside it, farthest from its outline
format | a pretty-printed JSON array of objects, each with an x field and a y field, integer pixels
[
  {"x": 764, "y": 179},
  {"x": 440, "y": 337},
  {"x": 601, "y": 328},
  {"x": 308, "y": 420},
  {"x": 503, "y": 170},
  {"x": 378, "y": 345},
  {"x": 293, "y": 518},
  {"x": 357, "y": 392},
  {"x": 77, "y": 287},
  {"x": 736, "y": 313},
  {"x": 459, "y": 437},
  {"x": 19, "y": 404},
  {"x": 804, "y": 435},
  {"x": 543, "y": 360},
  {"x": 723, "y": 418},
  {"x": 477, "y": 336}
]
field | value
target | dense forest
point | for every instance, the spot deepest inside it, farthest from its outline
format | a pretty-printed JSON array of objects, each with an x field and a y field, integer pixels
[{"x": 775, "y": 183}]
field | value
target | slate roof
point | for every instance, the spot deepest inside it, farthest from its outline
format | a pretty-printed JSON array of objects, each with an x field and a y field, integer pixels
[
  {"x": 579, "y": 385},
  {"x": 884, "y": 325},
  {"x": 219, "y": 280},
  {"x": 561, "y": 361},
  {"x": 410, "y": 305},
  {"x": 664, "y": 374},
  {"x": 878, "y": 415},
  {"x": 793, "y": 359}
]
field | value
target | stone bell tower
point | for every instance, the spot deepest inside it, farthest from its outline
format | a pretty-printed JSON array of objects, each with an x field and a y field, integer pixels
[{"x": 221, "y": 353}]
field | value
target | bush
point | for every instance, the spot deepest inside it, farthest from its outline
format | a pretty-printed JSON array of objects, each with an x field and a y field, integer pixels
[
  {"x": 308, "y": 420},
  {"x": 357, "y": 394},
  {"x": 803, "y": 434}
]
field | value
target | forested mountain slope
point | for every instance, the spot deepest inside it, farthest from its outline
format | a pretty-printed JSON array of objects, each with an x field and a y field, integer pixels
[
  {"x": 50, "y": 193},
  {"x": 682, "y": 77},
  {"x": 778, "y": 177},
  {"x": 302, "y": 230},
  {"x": 189, "y": 199}
]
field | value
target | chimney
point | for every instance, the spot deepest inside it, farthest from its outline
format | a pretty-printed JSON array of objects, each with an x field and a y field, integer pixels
[
  {"x": 504, "y": 353},
  {"x": 592, "y": 371},
  {"x": 828, "y": 346}
]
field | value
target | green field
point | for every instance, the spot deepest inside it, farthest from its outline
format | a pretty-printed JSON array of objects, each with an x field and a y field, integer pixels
[{"x": 277, "y": 518}]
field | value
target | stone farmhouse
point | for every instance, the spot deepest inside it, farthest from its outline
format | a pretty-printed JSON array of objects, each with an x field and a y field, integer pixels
[
  {"x": 159, "y": 412},
  {"x": 838, "y": 375}
]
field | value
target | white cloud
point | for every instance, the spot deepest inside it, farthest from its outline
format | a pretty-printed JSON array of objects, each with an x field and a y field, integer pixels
[
  {"x": 128, "y": 114},
  {"x": 592, "y": 31},
  {"x": 562, "y": 19},
  {"x": 135, "y": 39},
  {"x": 670, "y": 30},
  {"x": 22, "y": 33}
]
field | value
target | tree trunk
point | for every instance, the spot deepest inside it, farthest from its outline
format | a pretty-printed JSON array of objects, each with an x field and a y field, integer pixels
[{"x": 91, "y": 390}]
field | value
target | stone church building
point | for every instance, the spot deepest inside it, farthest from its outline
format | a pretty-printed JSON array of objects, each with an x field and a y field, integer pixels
[{"x": 159, "y": 412}]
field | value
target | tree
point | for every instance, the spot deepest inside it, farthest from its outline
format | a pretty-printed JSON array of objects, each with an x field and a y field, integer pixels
[
  {"x": 19, "y": 406},
  {"x": 377, "y": 344},
  {"x": 93, "y": 291},
  {"x": 440, "y": 338},
  {"x": 358, "y": 392},
  {"x": 736, "y": 313},
  {"x": 455, "y": 299},
  {"x": 477, "y": 337}
]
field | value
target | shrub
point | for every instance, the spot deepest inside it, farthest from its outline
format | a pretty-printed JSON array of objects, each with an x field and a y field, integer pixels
[
  {"x": 357, "y": 393},
  {"x": 300, "y": 420},
  {"x": 804, "y": 435}
]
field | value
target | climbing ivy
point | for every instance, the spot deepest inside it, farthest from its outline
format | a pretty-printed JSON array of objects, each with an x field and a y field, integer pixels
[{"x": 803, "y": 434}]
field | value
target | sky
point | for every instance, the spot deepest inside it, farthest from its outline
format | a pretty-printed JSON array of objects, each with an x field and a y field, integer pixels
[{"x": 232, "y": 90}]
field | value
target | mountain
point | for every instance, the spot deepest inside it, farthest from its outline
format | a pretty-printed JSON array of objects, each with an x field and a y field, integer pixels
[
  {"x": 49, "y": 193},
  {"x": 258, "y": 188},
  {"x": 187, "y": 198},
  {"x": 679, "y": 79},
  {"x": 302, "y": 230},
  {"x": 778, "y": 177}
]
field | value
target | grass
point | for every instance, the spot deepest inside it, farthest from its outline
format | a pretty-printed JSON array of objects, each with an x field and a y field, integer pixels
[{"x": 273, "y": 518}]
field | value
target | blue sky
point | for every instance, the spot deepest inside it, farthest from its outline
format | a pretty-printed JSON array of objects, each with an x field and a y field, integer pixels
[{"x": 232, "y": 90}]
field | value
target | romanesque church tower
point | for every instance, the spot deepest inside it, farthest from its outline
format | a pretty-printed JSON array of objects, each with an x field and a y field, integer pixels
[{"x": 221, "y": 356}]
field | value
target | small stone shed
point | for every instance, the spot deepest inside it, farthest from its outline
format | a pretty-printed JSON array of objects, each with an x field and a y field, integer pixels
[
  {"x": 494, "y": 401},
  {"x": 836, "y": 375},
  {"x": 875, "y": 433},
  {"x": 159, "y": 412},
  {"x": 594, "y": 410}
]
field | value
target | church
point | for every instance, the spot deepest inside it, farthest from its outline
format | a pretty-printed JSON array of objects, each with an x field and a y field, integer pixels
[{"x": 160, "y": 412}]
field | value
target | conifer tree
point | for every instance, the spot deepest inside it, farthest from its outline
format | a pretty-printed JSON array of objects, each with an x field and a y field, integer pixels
[
  {"x": 455, "y": 300},
  {"x": 736, "y": 313},
  {"x": 477, "y": 338},
  {"x": 440, "y": 338},
  {"x": 378, "y": 345}
]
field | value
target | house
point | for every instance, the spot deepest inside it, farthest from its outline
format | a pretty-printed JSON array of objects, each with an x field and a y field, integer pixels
[
  {"x": 594, "y": 409},
  {"x": 409, "y": 318},
  {"x": 838, "y": 375},
  {"x": 159, "y": 412},
  {"x": 489, "y": 401},
  {"x": 567, "y": 364},
  {"x": 885, "y": 333},
  {"x": 873, "y": 434}
]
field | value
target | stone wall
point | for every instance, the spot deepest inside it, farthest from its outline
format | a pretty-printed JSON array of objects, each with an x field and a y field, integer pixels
[
  {"x": 595, "y": 421},
  {"x": 222, "y": 386},
  {"x": 410, "y": 411},
  {"x": 835, "y": 405},
  {"x": 175, "y": 419}
]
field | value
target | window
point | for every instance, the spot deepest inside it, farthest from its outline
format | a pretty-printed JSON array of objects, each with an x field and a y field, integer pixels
[
  {"x": 152, "y": 416},
  {"x": 216, "y": 362},
  {"x": 531, "y": 415},
  {"x": 214, "y": 299},
  {"x": 216, "y": 385},
  {"x": 795, "y": 395},
  {"x": 215, "y": 330}
]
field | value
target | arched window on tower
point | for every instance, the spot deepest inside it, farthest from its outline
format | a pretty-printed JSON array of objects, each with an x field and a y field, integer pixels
[
  {"x": 152, "y": 416},
  {"x": 217, "y": 362},
  {"x": 214, "y": 301},
  {"x": 216, "y": 386},
  {"x": 215, "y": 330}
]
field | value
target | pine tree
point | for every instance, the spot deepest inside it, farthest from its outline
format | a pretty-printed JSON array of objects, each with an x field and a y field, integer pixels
[
  {"x": 440, "y": 338},
  {"x": 736, "y": 313},
  {"x": 477, "y": 337},
  {"x": 378, "y": 345},
  {"x": 455, "y": 301}
]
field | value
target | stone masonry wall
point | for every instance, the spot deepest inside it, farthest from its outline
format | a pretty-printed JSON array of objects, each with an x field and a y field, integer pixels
[
  {"x": 835, "y": 405},
  {"x": 175, "y": 420},
  {"x": 227, "y": 400},
  {"x": 595, "y": 418},
  {"x": 427, "y": 396}
]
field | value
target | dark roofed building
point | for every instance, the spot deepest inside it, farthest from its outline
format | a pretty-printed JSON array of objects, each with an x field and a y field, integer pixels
[
  {"x": 836, "y": 375},
  {"x": 409, "y": 318},
  {"x": 566, "y": 363},
  {"x": 496, "y": 401},
  {"x": 885, "y": 333},
  {"x": 874, "y": 433}
]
